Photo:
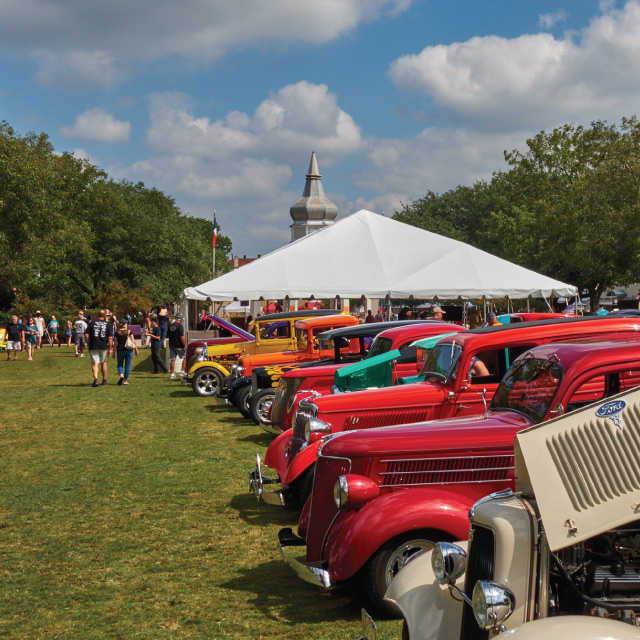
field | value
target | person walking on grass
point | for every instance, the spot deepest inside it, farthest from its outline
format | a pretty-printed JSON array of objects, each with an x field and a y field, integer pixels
[
  {"x": 99, "y": 336},
  {"x": 14, "y": 335},
  {"x": 80, "y": 329},
  {"x": 68, "y": 332},
  {"x": 30, "y": 336},
  {"x": 125, "y": 351},
  {"x": 53, "y": 331},
  {"x": 155, "y": 336},
  {"x": 39, "y": 321},
  {"x": 177, "y": 345}
]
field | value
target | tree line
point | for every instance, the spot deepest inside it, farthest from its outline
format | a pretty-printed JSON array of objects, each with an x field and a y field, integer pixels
[
  {"x": 72, "y": 237},
  {"x": 567, "y": 207}
]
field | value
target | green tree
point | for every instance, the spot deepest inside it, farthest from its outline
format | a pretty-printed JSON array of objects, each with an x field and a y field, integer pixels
[
  {"x": 68, "y": 232},
  {"x": 571, "y": 206}
]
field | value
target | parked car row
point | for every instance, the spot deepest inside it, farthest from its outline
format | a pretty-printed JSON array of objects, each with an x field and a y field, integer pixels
[{"x": 388, "y": 455}]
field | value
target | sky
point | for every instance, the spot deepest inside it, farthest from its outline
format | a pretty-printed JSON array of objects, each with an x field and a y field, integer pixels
[{"x": 219, "y": 104}]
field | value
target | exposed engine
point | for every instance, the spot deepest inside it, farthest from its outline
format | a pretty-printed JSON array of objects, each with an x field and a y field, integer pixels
[{"x": 599, "y": 577}]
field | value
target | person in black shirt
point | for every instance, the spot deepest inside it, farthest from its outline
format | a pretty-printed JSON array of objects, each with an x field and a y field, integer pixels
[
  {"x": 99, "y": 337},
  {"x": 177, "y": 345},
  {"x": 155, "y": 335},
  {"x": 14, "y": 338}
]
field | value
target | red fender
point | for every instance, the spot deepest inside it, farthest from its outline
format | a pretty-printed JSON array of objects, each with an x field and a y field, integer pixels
[
  {"x": 305, "y": 459},
  {"x": 395, "y": 513},
  {"x": 276, "y": 453}
]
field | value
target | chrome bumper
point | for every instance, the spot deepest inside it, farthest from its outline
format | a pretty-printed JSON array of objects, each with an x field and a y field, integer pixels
[
  {"x": 312, "y": 572},
  {"x": 369, "y": 629},
  {"x": 257, "y": 482}
]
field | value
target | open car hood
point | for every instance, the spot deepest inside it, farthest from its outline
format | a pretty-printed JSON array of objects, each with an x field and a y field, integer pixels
[
  {"x": 583, "y": 469},
  {"x": 225, "y": 324}
]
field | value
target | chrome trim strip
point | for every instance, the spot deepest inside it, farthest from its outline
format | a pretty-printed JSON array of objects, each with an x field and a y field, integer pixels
[
  {"x": 497, "y": 455},
  {"x": 427, "y": 484},
  {"x": 469, "y": 470}
]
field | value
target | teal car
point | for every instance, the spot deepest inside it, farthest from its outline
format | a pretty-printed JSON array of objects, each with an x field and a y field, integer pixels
[{"x": 384, "y": 370}]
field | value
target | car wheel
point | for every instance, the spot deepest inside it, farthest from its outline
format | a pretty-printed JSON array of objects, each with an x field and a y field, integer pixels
[
  {"x": 386, "y": 563},
  {"x": 206, "y": 382},
  {"x": 242, "y": 397},
  {"x": 260, "y": 404}
]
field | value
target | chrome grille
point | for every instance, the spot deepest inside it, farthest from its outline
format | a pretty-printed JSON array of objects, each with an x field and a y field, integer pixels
[
  {"x": 323, "y": 508},
  {"x": 283, "y": 393},
  {"x": 426, "y": 471},
  {"x": 591, "y": 473},
  {"x": 385, "y": 418},
  {"x": 480, "y": 561},
  {"x": 298, "y": 441}
]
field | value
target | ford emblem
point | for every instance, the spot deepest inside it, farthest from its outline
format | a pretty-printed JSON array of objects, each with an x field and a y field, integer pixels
[{"x": 611, "y": 408}]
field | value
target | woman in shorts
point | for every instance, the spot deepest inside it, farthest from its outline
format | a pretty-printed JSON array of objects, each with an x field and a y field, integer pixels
[
  {"x": 30, "y": 336},
  {"x": 67, "y": 332},
  {"x": 53, "y": 330}
]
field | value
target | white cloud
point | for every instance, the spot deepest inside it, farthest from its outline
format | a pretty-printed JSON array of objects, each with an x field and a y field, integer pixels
[
  {"x": 96, "y": 125},
  {"x": 533, "y": 80},
  {"x": 302, "y": 116},
  {"x": 548, "y": 20},
  {"x": 438, "y": 159},
  {"x": 108, "y": 36}
]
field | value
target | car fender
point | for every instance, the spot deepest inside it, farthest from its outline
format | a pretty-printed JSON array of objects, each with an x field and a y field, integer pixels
[
  {"x": 428, "y": 608},
  {"x": 276, "y": 456},
  {"x": 303, "y": 461},
  {"x": 211, "y": 364},
  {"x": 571, "y": 628},
  {"x": 391, "y": 515}
]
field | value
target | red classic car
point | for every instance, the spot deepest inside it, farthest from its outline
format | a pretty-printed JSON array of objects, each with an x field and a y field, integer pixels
[
  {"x": 365, "y": 339},
  {"x": 296, "y": 385},
  {"x": 462, "y": 373},
  {"x": 381, "y": 496}
]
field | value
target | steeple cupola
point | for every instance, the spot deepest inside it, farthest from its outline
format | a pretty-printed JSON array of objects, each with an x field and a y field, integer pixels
[{"x": 314, "y": 210}]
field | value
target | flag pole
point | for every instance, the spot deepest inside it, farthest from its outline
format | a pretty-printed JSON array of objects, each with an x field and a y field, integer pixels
[{"x": 213, "y": 243}]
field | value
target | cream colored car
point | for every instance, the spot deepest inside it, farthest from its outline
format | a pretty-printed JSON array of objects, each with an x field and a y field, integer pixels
[{"x": 557, "y": 559}]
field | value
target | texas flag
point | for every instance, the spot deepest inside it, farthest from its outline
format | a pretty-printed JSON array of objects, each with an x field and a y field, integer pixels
[{"x": 215, "y": 233}]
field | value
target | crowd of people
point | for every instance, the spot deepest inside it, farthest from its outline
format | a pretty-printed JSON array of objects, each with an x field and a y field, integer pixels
[{"x": 103, "y": 336}]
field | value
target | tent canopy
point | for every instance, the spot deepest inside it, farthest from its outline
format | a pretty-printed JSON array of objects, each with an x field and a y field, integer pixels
[{"x": 368, "y": 254}]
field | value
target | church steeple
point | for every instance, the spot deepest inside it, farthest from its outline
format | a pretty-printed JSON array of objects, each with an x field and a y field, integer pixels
[{"x": 314, "y": 210}]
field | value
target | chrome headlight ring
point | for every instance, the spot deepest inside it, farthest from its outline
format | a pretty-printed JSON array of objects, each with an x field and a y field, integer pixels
[
  {"x": 341, "y": 492},
  {"x": 448, "y": 562},
  {"x": 492, "y": 604},
  {"x": 313, "y": 425}
]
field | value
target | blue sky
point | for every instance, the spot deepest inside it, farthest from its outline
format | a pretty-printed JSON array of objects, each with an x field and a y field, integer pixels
[{"x": 220, "y": 104}]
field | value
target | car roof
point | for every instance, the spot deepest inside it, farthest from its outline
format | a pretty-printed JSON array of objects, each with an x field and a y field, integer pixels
[
  {"x": 370, "y": 329},
  {"x": 595, "y": 351},
  {"x": 425, "y": 328},
  {"x": 305, "y": 313}
]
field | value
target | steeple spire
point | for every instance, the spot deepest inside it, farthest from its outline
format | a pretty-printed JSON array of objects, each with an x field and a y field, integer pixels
[{"x": 314, "y": 210}]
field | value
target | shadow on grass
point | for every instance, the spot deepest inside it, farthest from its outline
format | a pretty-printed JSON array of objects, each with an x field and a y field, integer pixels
[
  {"x": 257, "y": 512},
  {"x": 263, "y": 439},
  {"x": 270, "y": 588}
]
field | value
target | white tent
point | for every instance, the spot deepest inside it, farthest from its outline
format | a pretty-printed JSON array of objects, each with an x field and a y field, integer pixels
[{"x": 368, "y": 254}]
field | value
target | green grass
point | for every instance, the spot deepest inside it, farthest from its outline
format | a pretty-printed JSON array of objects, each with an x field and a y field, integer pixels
[{"x": 125, "y": 513}]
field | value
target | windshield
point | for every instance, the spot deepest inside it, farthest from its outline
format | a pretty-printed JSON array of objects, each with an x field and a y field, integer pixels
[
  {"x": 379, "y": 345},
  {"x": 301, "y": 338},
  {"x": 269, "y": 330},
  {"x": 529, "y": 387},
  {"x": 443, "y": 361}
]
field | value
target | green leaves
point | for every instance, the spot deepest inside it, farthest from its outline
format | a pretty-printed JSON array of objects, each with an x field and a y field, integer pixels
[{"x": 67, "y": 231}]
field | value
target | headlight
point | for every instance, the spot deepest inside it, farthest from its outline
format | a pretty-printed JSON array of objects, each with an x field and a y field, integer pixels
[
  {"x": 448, "y": 562},
  {"x": 237, "y": 369},
  {"x": 492, "y": 604},
  {"x": 205, "y": 351},
  {"x": 335, "y": 389},
  {"x": 353, "y": 491},
  {"x": 313, "y": 425},
  {"x": 341, "y": 492}
]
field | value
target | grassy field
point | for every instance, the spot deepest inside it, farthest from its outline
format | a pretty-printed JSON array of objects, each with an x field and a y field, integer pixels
[{"x": 125, "y": 513}]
